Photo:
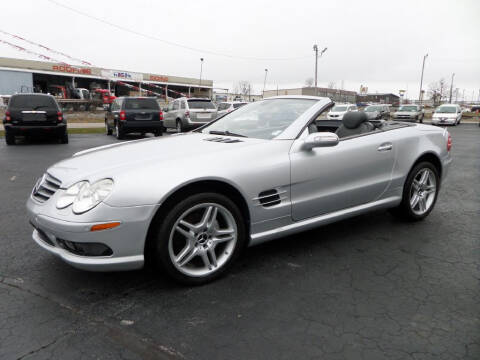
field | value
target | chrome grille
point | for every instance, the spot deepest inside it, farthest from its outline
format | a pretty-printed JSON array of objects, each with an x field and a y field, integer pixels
[{"x": 45, "y": 187}]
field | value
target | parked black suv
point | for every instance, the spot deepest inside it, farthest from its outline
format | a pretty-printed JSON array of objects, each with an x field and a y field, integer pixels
[
  {"x": 134, "y": 114},
  {"x": 29, "y": 114}
]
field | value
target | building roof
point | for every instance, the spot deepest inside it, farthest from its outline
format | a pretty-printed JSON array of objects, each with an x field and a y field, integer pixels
[{"x": 52, "y": 68}]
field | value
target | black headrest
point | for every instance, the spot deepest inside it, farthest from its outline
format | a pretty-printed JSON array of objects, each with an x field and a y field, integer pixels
[{"x": 353, "y": 119}]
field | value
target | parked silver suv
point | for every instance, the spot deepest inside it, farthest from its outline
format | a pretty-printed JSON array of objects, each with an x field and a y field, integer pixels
[
  {"x": 410, "y": 112},
  {"x": 189, "y": 113}
]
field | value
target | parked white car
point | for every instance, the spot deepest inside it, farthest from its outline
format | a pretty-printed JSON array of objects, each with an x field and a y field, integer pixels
[
  {"x": 339, "y": 110},
  {"x": 226, "y": 107},
  {"x": 448, "y": 114}
]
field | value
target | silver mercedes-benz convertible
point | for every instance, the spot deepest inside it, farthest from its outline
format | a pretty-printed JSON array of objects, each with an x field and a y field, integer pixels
[{"x": 190, "y": 203}]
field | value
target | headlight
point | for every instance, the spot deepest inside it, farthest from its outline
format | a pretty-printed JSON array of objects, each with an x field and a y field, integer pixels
[
  {"x": 85, "y": 196},
  {"x": 68, "y": 197}
]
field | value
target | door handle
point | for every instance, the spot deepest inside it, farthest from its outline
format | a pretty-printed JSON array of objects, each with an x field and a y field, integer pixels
[{"x": 385, "y": 147}]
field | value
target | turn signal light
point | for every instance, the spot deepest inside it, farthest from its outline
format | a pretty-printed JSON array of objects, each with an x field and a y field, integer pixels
[
  {"x": 123, "y": 116},
  {"x": 7, "y": 116},
  {"x": 104, "y": 226},
  {"x": 449, "y": 142},
  {"x": 59, "y": 116},
  {"x": 161, "y": 115}
]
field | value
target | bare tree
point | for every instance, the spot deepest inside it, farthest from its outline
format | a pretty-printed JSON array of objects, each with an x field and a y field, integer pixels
[
  {"x": 331, "y": 85},
  {"x": 309, "y": 82},
  {"x": 243, "y": 87},
  {"x": 438, "y": 91}
]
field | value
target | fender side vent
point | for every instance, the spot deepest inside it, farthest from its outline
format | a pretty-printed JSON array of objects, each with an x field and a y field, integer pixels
[
  {"x": 269, "y": 198},
  {"x": 223, "y": 140}
]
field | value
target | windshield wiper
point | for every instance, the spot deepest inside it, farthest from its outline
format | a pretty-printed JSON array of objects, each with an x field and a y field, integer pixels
[{"x": 228, "y": 133}]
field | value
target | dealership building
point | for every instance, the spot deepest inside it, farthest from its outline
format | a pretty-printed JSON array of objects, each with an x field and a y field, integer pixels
[
  {"x": 22, "y": 76},
  {"x": 336, "y": 95}
]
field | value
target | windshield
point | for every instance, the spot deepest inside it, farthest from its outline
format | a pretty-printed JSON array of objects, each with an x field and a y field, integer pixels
[
  {"x": 407, "y": 108},
  {"x": 339, "y": 108},
  {"x": 373, "y": 108},
  {"x": 141, "y": 104},
  {"x": 33, "y": 102},
  {"x": 262, "y": 119},
  {"x": 447, "y": 109},
  {"x": 200, "y": 104}
]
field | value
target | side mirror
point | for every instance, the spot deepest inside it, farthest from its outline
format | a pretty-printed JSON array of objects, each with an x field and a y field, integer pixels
[{"x": 320, "y": 139}]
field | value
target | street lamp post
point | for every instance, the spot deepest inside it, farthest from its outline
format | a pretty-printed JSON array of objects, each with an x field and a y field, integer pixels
[
  {"x": 264, "y": 83},
  {"x": 201, "y": 69},
  {"x": 451, "y": 88},
  {"x": 315, "y": 48},
  {"x": 420, "y": 95}
]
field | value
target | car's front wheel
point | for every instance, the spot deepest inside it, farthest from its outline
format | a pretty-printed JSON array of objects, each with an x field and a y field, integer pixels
[
  {"x": 108, "y": 131},
  {"x": 199, "y": 238},
  {"x": 419, "y": 193}
]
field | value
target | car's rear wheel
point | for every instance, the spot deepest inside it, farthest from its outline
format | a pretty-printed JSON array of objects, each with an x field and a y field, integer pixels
[
  {"x": 119, "y": 132},
  {"x": 419, "y": 193},
  {"x": 64, "y": 138},
  {"x": 199, "y": 238},
  {"x": 9, "y": 138},
  {"x": 158, "y": 132},
  {"x": 179, "y": 126}
]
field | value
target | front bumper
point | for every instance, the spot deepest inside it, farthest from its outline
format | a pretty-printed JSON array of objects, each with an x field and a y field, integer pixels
[
  {"x": 446, "y": 121},
  {"x": 127, "y": 241}
]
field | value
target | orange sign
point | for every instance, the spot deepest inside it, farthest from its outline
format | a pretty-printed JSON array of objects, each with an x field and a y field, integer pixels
[
  {"x": 159, "y": 78},
  {"x": 71, "y": 69}
]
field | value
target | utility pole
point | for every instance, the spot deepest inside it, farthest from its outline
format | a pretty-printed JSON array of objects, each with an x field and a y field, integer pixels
[
  {"x": 264, "y": 83},
  {"x": 451, "y": 88},
  {"x": 315, "y": 48},
  {"x": 201, "y": 69},
  {"x": 420, "y": 95}
]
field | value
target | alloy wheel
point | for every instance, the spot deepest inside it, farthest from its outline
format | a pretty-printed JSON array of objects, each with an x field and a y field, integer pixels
[
  {"x": 423, "y": 191},
  {"x": 202, "y": 239}
]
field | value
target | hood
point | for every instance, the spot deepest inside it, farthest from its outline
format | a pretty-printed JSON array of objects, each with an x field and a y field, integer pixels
[
  {"x": 337, "y": 112},
  {"x": 107, "y": 161},
  {"x": 372, "y": 114}
]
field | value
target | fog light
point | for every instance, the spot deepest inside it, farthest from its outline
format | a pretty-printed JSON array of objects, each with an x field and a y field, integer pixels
[{"x": 85, "y": 249}]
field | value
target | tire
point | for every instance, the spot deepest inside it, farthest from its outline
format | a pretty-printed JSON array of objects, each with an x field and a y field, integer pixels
[
  {"x": 421, "y": 119},
  {"x": 158, "y": 133},
  {"x": 419, "y": 198},
  {"x": 179, "y": 126},
  {"x": 197, "y": 242},
  {"x": 108, "y": 131},
  {"x": 119, "y": 132},
  {"x": 64, "y": 138},
  {"x": 9, "y": 138}
]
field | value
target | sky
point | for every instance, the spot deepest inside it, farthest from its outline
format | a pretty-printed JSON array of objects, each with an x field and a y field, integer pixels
[{"x": 379, "y": 44}]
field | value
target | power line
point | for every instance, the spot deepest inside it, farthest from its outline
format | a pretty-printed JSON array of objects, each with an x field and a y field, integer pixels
[{"x": 168, "y": 42}]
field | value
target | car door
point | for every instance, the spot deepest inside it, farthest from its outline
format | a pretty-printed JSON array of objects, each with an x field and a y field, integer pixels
[
  {"x": 112, "y": 115},
  {"x": 356, "y": 171}
]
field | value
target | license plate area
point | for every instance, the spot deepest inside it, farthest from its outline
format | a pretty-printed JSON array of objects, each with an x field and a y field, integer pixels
[{"x": 34, "y": 117}]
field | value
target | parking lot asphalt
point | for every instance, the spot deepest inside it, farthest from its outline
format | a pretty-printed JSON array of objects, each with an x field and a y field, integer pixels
[{"x": 371, "y": 287}]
